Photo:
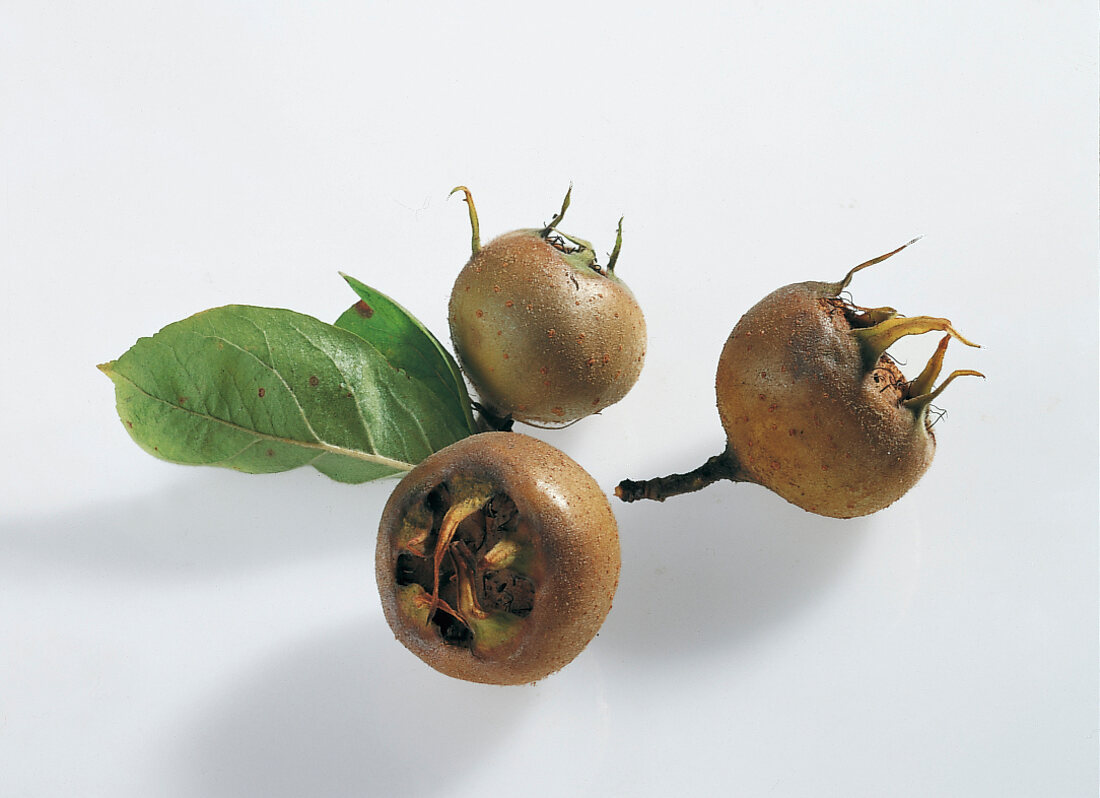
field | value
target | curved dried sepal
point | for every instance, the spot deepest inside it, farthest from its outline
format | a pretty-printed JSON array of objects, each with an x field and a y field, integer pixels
[
  {"x": 455, "y": 515},
  {"x": 919, "y": 404},
  {"x": 475, "y": 239},
  {"x": 468, "y": 606},
  {"x": 923, "y": 383},
  {"x": 838, "y": 287},
  {"x": 614, "y": 257},
  {"x": 876, "y": 340},
  {"x": 561, "y": 214}
]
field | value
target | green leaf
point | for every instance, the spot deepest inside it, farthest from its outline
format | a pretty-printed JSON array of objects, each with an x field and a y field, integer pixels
[
  {"x": 264, "y": 390},
  {"x": 407, "y": 344}
]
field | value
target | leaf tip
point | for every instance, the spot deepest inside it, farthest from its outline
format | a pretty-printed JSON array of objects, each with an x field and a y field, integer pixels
[{"x": 107, "y": 367}]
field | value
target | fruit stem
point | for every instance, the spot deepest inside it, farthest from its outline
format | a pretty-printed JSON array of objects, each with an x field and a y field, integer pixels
[
  {"x": 838, "y": 287},
  {"x": 475, "y": 240},
  {"x": 492, "y": 421},
  {"x": 614, "y": 257},
  {"x": 561, "y": 214},
  {"x": 721, "y": 466}
]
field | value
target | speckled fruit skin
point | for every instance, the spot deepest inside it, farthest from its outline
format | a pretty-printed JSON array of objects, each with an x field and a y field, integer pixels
[
  {"x": 805, "y": 417},
  {"x": 542, "y": 339},
  {"x": 577, "y": 545}
]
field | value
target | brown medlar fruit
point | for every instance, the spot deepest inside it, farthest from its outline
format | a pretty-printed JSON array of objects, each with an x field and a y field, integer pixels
[
  {"x": 815, "y": 409},
  {"x": 545, "y": 334},
  {"x": 497, "y": 559}
]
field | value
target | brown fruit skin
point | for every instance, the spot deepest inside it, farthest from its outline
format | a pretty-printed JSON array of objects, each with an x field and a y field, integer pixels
[
  {"x": 540, "y": 338},
  {"x": 806, "y": 418},
  {"x": 577, "y": 543}
]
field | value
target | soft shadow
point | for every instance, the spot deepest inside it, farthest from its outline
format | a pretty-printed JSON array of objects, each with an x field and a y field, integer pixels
[
  {"x": 715, "y": 568},
  {"x": 349, "y": 714},
  {"x": 208, "y": 521}
]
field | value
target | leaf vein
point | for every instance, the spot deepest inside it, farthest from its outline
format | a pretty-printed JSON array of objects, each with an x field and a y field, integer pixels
[{"x": 325, "y": 448}]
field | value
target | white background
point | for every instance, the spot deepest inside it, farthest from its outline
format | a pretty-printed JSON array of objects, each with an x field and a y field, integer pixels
[{"x": 196, "y": 632}]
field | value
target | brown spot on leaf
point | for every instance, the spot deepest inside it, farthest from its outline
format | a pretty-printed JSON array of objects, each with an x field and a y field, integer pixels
[
  {"x": 557, "y": 411},
  {"x": 270, "y": 452},
  {"x": 363, "y": 309},
  {"x": 313, "y": 381},
  {"x": 479, "y": 313},
  {"x": 130, "y": 424},
  {"x": 261, "y": 392},
  {"x": 182, "y": 399}
]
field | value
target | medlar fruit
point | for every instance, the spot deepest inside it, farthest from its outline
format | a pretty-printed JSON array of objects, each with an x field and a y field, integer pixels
[
  {"x": 815, "y": 409},
  {"x": 545, "y": 334},
  {"x": 497, "y": 559}
]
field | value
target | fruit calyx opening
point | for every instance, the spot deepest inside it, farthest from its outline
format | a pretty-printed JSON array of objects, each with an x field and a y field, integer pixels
[
  {"x": 877, "y": 329},
  {"x": 464, "y": 567},
  {"x": 577, "y": 251}
]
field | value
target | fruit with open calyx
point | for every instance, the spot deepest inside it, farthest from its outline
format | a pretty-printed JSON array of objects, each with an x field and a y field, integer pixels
[
  {"x": 497, "y": 559},
  {"x": 813, "y": 406}
]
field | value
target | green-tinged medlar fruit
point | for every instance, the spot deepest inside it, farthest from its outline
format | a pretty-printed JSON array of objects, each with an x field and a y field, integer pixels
[
  {"x": 497, "y": 559},
  {"x": 544, "y": 333},
  {"x": 813, "y": 406}
]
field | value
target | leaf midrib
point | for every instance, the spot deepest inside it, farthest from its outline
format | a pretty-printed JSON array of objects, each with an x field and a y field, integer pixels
[{"x": 319, "y": 444}]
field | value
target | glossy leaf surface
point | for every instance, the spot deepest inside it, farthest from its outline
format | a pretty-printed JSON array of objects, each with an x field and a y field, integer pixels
[
  {"x": 263, "y": 390},
  {"x": 409, "y": 345}
]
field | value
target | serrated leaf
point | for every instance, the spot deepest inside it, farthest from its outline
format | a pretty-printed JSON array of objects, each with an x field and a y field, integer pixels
[
  {"x": 264, "y": 390},
  {"x": 407, "y": 344}
]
